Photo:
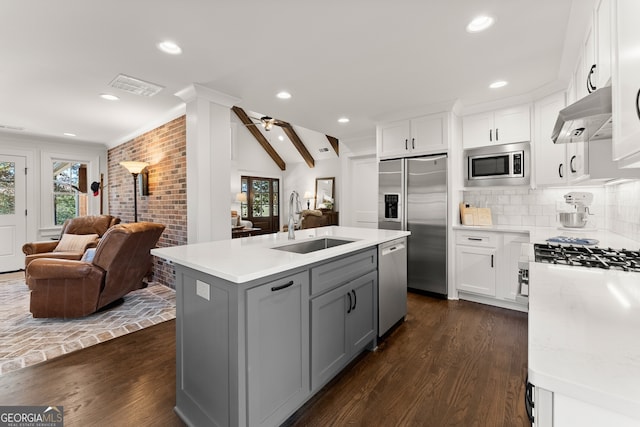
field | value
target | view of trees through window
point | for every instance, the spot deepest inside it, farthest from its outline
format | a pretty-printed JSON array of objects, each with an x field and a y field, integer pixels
[
  {"x": 7, "y": 188},
  {"x": 69, "y": 190}
]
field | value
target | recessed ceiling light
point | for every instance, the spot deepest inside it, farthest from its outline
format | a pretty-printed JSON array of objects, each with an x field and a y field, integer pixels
[
  {"x": 169, "y": 47},
  {"x": 283, "y": 95},
  {"x": 498, "y": 84},
  {"x": 480, "y": 23},
  {"x": 281, "y": 138},
  {"x": 69, "y": 134},
  {"x": 109, "y": 97},
  {"x": 343, "y": 120}
]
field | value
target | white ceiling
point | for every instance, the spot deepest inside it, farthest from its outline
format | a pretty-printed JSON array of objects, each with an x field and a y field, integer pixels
[{"x": 367, "y": 60}]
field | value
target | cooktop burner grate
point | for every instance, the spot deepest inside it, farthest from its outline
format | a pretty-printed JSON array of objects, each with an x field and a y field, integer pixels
[{"x": 594, "y": 257}]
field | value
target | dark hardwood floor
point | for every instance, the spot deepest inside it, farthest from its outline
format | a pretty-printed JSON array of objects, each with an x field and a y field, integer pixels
[{"x": 451, "y": 363}]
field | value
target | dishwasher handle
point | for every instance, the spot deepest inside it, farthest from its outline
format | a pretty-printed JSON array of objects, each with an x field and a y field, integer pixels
[{"x": 392, "y": 249}]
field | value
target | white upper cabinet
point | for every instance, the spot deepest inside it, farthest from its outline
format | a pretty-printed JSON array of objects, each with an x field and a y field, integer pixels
[
  {"x": 420, "y": 135},
  {"x": 603, "y": 42},
  {"x": 626, "y": 81},
  {"x": 550, "y": 159},
  {"x": 497, "y": 127}
]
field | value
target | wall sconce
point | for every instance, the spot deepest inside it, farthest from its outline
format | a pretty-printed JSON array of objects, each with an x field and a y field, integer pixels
[
  {"x": 135, "y": 168},
  {"x": 308, "y": 195},
  {"x": 143, "y": 182}
]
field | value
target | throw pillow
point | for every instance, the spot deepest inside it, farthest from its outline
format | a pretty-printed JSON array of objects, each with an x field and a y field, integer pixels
[{"x": 75, "y": 242}]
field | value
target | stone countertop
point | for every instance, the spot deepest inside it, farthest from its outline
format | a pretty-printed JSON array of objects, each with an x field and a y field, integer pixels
[
  {"x": 541, "y": 234},
  {"x": 250, "y": 258},
  {"x": 583, "y": 335}
]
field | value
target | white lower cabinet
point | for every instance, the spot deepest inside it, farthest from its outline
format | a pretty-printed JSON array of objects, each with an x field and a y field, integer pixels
[
  {"x": 277, "y": 349},
  {"x": 487, "y": 266},
  {"x": 476, "y": 269}
]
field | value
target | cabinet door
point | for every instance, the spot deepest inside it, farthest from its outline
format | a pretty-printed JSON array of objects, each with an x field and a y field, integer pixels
[
  {"x": 626, "y": 80},
  {"x": 589, "y": 63},
  {"x": 393, "y": 138},
  {"x": 550, "y": 164},
  {"x": 578, "y": 161},
  {"x": 512, "y": 125},
  {"x": 580, "y": 76},
  {"x": 277, "y": 349},
  {"x": 429, "y": 134},
  {"x": 477, "y": 130},
  {"x": 329, "y": 348},
  {"x": 361, "y": 321},
  {"x": 476, "y": 269},
  {"x": 603, "y": 42}
]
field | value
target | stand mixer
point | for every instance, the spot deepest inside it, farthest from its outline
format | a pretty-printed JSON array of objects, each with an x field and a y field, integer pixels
[{"x": 581, "y": 202}]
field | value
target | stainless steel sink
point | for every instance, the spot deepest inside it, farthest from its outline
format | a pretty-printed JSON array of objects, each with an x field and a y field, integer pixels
[{"x": 312, "y": 245}]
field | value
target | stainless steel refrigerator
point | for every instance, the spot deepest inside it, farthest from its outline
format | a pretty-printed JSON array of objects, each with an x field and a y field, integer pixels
[{"x": 413, "y": 196}]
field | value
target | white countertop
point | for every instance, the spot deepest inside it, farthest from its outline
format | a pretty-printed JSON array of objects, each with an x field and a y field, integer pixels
[
  {"x": 250, "y": 258},
  {"x": 541, "y": 234},
  {"x": 584, "y": 335}
]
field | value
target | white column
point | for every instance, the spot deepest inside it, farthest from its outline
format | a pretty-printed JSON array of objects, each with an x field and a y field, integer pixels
[{"x": 208, "y": 163}]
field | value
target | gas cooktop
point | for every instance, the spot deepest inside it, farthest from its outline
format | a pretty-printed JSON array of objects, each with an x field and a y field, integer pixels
[{"x": 581, "y": 256}]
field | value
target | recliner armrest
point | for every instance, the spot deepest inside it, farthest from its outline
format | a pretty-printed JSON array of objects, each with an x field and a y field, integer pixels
[
  {"x": 51, "y": 268},
  {"x": 39, "y": 247}
]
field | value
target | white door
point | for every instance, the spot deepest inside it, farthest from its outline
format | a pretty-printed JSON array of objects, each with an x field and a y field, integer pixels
[
  {"x": 13, "y": 219},
  {"x": 364, "y": 193}
]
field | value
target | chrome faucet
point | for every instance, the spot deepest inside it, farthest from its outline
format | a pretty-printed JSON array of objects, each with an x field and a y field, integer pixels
[{"x": 298, "y": 209}]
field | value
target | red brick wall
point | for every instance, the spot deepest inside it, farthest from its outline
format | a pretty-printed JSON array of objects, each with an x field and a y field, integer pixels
[{"x": 164, "y": 148}]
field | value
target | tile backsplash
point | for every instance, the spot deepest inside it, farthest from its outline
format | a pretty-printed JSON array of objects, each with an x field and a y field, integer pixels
[
  {"x": 615, "y": 207},
  {"x": 537, "y": 207},
  {"x": 623, "y": 209}
]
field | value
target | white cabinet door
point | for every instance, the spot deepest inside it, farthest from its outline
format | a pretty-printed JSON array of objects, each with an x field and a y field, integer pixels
[
  {"x": 277, "y": 349},
  {"x": 421, "y": 135},
  {"x": 578, "y": 161},
  {"x": 626, "y": 79},
  {"x": 603, "y": 42},
  {"x": 393, "y": 138},
  {"x": 477, "y": 130},
  {"x": 512, "y": 125},
  {"x": 589, "y": 62},
  {"x": 476, "y": 269},
  {"x": 550, "y": 158},
  {"x": 429, "y": 134},
  {"x": 497, "y": 127}
]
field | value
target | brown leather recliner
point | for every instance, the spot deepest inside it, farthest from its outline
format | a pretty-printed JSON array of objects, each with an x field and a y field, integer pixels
[
  {"x": 68, "y": 288},
  {"x": 90, "y": 224}
]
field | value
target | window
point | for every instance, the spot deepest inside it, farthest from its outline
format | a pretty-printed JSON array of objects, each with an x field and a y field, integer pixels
[
  {"x": 69, "y": 190},
  {"x": 7, "y": 188},
  {"x": 263, "y": 202}
]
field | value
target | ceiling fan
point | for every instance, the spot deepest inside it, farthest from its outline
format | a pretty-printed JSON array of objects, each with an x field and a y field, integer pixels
[{"x": 268, "y": 122}]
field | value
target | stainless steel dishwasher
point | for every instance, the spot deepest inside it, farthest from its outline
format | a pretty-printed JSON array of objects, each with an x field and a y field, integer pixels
[{"x": 392, "y": 284}]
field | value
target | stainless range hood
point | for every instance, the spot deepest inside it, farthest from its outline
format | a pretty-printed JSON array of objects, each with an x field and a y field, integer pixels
[{"x": 588, "y": 119}]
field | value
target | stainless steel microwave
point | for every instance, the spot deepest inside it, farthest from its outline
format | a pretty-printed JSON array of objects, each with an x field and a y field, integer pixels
[{"x": 498, "y": 165}]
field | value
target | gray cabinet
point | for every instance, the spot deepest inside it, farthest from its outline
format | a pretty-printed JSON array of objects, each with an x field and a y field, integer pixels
[
  {"x": 343, "y": 313},
  {"x": 277, "y": 349},
  {"x": 343, "y": 323}
]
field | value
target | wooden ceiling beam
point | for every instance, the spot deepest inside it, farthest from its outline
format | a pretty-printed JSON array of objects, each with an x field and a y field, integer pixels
[
  {"x": 251, "y": 127},
  {"x": 334, "y": 143},
  {"x": 297, "y": 142}
]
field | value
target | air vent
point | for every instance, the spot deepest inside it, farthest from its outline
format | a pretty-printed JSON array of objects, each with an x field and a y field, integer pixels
[
  {"x": 323, "y": 150},
  {"x": 135, "y": 86},
  {"x": 11, "y": 127}
]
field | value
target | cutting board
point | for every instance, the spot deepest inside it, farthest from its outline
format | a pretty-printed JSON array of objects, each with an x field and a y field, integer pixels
[{"x": 470, "y": 215}]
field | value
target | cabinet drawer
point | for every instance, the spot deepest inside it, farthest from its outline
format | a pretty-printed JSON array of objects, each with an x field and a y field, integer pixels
[
  {"x": 335, "y": 273},
  {"x": 476, "y": 238}
]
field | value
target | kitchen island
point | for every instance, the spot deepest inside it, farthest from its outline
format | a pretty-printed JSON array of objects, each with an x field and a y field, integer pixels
[{"x": 261, "y": 328}]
